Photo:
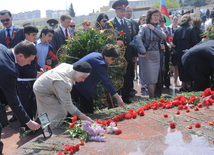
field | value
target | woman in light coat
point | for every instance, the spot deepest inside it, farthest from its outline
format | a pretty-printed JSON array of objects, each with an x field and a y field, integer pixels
[
  {"x": 53, "y": 88},
  {"x": 150, "y": 35}
]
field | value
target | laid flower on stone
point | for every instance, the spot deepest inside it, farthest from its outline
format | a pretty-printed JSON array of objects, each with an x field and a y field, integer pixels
[
  {"x": 187, "y": 110},
  {"x": 189, "y": 127},
  {"x": 165, "y": 115},
  {"x": 94, "y": 130},
  {"x": 118, "y": 131},
  {"x": 71, "y": 126},
  {"x": 197, "y": 125},
  {"x": 172, "y": 125},
  {"x": 82, "y": 142},
  {"x": 178, "y": 112},
  {"x": 211, "y": 123},
  {"x": 196, "y": 109}
]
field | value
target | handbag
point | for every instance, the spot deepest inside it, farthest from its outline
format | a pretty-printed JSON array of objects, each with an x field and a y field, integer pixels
[
  {"x": 3, "y": 115},
  {"x": 136, "y": 45}
]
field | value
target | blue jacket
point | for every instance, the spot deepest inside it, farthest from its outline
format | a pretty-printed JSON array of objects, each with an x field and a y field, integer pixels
[
  {"x": 98, "y": 72},
  {"x": 8, "y": 81}
]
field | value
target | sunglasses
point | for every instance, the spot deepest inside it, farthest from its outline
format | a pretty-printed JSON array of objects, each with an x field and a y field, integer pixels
[
  {"x": 87, "y": 24},
  {"x": 5, "y": 20},
  {"x": 113, "y": 59},
  {"x": 104, "y": 21},
  {"x": 72, "y": 25}
]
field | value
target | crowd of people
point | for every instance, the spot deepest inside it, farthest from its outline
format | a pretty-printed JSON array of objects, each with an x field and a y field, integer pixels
[{"x": 162, "y": 50}]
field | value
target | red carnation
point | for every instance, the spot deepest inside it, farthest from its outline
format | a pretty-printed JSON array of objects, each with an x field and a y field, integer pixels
[
  {"x": 60, "y": 153},
  {"x": 48, "y": 67},
  {"x": 197, "y": 125},
  {"x": 211, "y": 123},
  {"x": 172, "y": 125},
  {"x": 82, "y": 142},
  {"x": 54, "y": 57},
  {"x": 180, "y": 107},
  {"x": 7, "y": 41},
  {"x": 50, "y": 53},
  {"x": 121, "y": 32},
  {"x": 74, "y": 118},
  {"x": 118, "y": 131},
  {"x": 196, "y": 109},
  {"x": 187, "y": 110},
  {"x": 165, "y": 115},
  {"x": 190, "y": 127},
  {"x": 71, "y": 126},
  {"x": 178, "y": 112}
]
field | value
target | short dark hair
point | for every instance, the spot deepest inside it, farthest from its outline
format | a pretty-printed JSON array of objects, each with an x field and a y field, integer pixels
[
  {"x": 30, "y": 29},
  {"x": 46, "y": 30},
  {"x": 110, "y": 50},
  {"x": 3, "y": 12},
  {"x": 27, "y": 48},
  {"x": 150, "y": 13}
]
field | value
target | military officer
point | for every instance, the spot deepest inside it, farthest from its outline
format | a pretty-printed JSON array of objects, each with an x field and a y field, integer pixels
[
  {"x": 124, "y": 28},
  {"x": 52, "y": 23}
]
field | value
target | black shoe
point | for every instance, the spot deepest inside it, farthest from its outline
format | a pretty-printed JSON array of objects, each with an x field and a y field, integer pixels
[
  {"x": 131, "y": 94},
  {"x": 133, "y": 90},
  {"x": 127, "y": 101},
  {"x": 13, "y": 119}
]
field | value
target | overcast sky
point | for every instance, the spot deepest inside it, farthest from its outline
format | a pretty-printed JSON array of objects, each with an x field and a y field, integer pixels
[{"x": 80, "y": 6}]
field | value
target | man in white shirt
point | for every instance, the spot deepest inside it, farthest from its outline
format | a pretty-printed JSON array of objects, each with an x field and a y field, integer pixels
[{"x": 61, "y": 33}]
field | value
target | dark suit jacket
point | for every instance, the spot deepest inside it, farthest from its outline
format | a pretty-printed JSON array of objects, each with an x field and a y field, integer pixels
[
  {"x": 8, "y": 80},
  {"x": 135, "y": 26},
  {"x": 98, "y": 73},
  {"x": 126, "y": 38},
  {"x": 58, "y": 39},
  {"x": 17, "y": 38}
]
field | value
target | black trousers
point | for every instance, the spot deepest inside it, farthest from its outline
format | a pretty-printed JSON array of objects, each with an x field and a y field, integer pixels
[
  {"x": 85, "y": 106},
  {"x": 166, "y": 68},
  {"x": 200, "y": 78},
  {"x": 27, "y": 97},
  {"x": 3, "y": 99},
  {"x": 128, "y": 80}
]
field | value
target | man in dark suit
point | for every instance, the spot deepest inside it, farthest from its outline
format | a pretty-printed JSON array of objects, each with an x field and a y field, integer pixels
[
  {"x": 22, "y": 54},
  {"x": 128, "y": 15},
  {"x": 125, "y": 28},
  {"x": 61, "y": 33},
  {"x": 199, "y": 63},
  {"x": 10, "y": 35}
]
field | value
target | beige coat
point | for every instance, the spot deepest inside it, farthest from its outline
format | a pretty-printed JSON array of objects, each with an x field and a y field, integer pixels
[{"x": 52, "y": 91}]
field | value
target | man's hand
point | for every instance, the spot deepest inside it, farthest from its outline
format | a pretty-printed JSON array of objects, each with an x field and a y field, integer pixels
[
  {"x": 33, "y": 125},
  {"x": 119, "y": 100}
]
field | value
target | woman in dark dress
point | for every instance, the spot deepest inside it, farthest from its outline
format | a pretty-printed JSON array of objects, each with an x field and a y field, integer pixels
[{"x": 184, "y": 38}]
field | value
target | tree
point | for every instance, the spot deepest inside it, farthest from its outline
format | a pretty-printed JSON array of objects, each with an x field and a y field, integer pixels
[
  {"x": 71, "y": 10},
  {"x": 196, "y": 3},
  {"x": 169, "y": 4}
]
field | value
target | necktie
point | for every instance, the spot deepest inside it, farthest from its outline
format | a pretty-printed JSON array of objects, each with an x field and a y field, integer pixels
[
  {"x": 8, "y": 32},
  {"x": 66, "y": 33},
  {"x": 122, "y": 23}
]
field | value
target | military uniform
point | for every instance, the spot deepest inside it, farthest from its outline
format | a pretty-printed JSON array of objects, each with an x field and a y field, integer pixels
[{"x": 127, "y": 37}]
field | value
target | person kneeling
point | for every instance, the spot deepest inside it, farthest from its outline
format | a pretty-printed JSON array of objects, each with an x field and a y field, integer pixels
[{"x": 53, "y": 88}]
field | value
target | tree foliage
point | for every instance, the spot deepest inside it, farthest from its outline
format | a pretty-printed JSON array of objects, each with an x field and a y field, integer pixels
[
  {"x": 196, "y": 3},
  {"x": 169, "y": 4},
  {"x": 71, "y": 10}
]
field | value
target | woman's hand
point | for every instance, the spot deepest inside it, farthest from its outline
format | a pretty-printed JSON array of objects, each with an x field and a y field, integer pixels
[{"x": 150, "y": 26}]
